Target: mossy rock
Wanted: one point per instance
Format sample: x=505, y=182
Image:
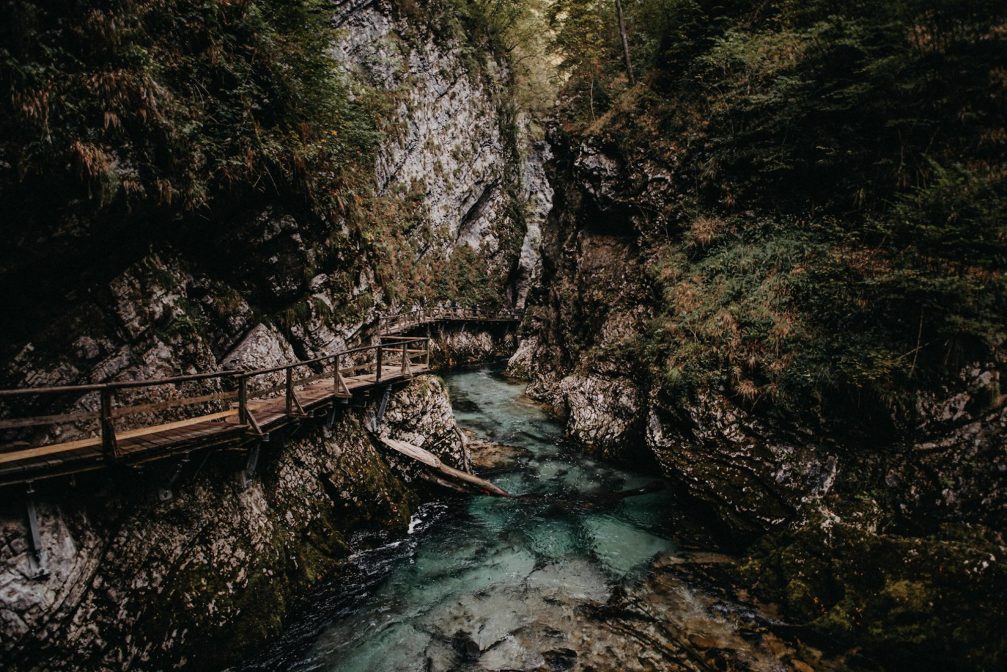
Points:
x=909, y=602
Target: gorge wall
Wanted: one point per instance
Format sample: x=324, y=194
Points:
x=451, y=212
x=877, y=536
x=448, y=210
x=134, y=582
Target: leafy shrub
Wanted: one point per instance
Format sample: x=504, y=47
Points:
x=838, y=234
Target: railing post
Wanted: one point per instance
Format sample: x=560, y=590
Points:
x=428, y=353
x=377, y=375
x=335, y=374
x=243, y=400
x=405, y=358
x=290, y=390
x=108, y=441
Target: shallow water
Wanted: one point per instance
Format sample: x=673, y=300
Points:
x=471, y=572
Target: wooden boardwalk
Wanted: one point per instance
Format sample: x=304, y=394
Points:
x=205, y=410
x=412, y=319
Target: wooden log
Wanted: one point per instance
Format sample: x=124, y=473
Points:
x=431, y=460
x=412, y=452
x=481, y=483
x=448, y=485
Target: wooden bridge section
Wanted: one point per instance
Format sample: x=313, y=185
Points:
x=132, y=422
x=408, y=320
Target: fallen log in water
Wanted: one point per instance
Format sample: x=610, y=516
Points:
x=446, y=473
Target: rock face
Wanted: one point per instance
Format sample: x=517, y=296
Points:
x=579, y=352
x=134, y=583
x=456, y=141
x=422, y=416
x=754, y=476
x=459, y=191
x=470, y=344
x=935, y=491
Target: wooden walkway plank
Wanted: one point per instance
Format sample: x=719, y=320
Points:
x=156, y=441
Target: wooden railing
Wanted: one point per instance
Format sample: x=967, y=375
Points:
x=404, y=320
x=96, y=414
x=103, y=414
x=72, y=417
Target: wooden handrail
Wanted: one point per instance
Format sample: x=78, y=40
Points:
x=427, y=315
x=422, y=315
x=287, y=398
x=130, y=384
x=116, y=385
x=62, y=389
x=407, y=351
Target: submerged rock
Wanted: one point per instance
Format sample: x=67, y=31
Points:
x=541, y=621
x=490, y=456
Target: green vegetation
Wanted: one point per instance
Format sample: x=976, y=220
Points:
x=138, y=124
x=174, y=105
x=837, y=234
x=817, y=190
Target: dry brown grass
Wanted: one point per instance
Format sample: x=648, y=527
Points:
x=91, y=161
x=705, y=229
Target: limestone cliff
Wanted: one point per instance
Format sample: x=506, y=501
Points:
x=450, y=210
x=842, y=487
x=456, y=189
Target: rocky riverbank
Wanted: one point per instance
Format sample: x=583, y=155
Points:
x=136, y=583
x=864, y=534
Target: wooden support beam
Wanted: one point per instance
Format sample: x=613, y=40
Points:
x=338, y=382
x=243, y=400
x=274, y=407
x=108, y=441
x=254, y=424
x=297, y=404
x=289, y=390
x=36, y=555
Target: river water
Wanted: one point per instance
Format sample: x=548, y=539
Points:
x=475, y=573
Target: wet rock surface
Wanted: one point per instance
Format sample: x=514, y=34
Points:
x=576, y=573
x=421, y=414
x=453, y=346
x=819, y=488
x=137, y=583
x=488, y=456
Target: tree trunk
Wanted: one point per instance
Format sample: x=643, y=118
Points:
x=625, y=41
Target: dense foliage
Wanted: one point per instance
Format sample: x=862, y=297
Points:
x=838, y=229
x=173, y=103
x=132, y=122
